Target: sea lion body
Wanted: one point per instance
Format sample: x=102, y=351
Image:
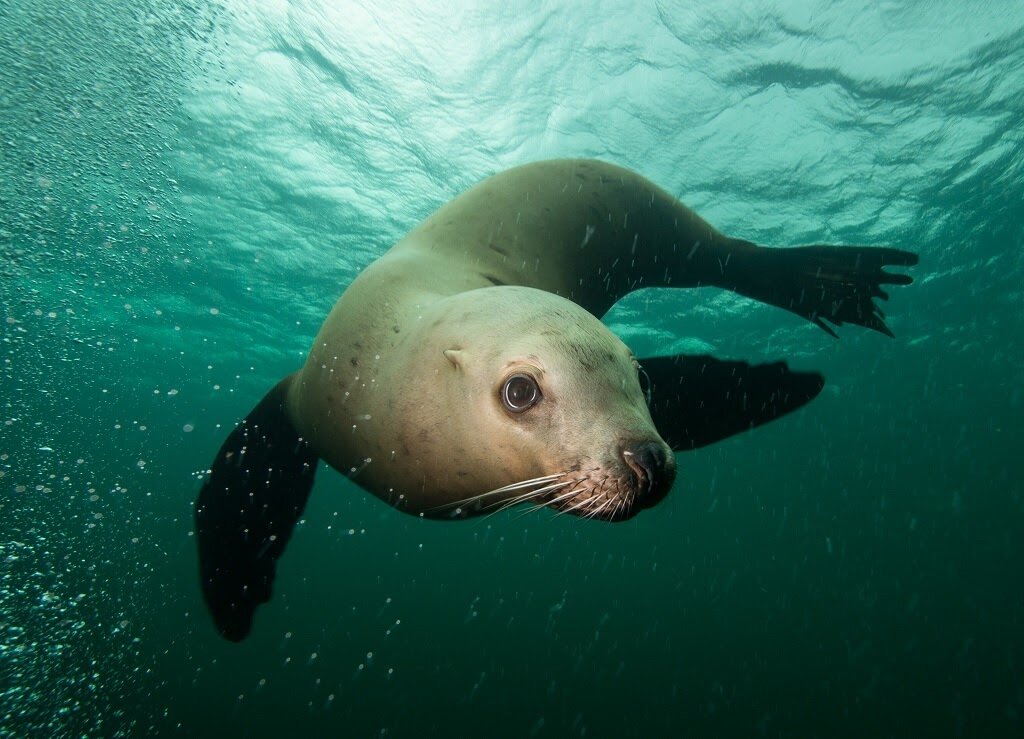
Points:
x=467, y=369
x=400, y=389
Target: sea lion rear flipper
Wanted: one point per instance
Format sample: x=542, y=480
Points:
x=837, y=284
x=247, y=509
x=698, y=400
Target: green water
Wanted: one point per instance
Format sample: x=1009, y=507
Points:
x=186, y=189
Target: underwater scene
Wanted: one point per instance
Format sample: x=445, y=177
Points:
x=186, y=189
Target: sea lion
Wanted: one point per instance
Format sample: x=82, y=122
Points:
x=467, y=370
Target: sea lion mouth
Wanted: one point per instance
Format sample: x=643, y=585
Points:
x=603, y=507
x=641, y=481
x=600, y=496
x=610, y=493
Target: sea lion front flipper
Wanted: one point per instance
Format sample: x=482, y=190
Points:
x=247, y=509
x=698, y=400
x=837, y=284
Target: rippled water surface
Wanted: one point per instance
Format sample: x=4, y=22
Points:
x=185, y=189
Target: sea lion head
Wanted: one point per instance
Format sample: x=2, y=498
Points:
x=516, y=395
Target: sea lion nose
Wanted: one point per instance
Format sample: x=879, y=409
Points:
x=654, y=467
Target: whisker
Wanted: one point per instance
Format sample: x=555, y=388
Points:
x=554, y=501
x=572, y=508
x=503, y=489
x=534, y=494
x=502, y=505
x=517, y=486
x=601, y=508
x=547, y=504
x=535, y=480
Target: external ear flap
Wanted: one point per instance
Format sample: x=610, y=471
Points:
x=454, y=356
x=698, y=400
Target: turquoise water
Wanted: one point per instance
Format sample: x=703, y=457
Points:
x=186, y=189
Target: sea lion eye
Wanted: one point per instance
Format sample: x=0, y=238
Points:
x=519, y=393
